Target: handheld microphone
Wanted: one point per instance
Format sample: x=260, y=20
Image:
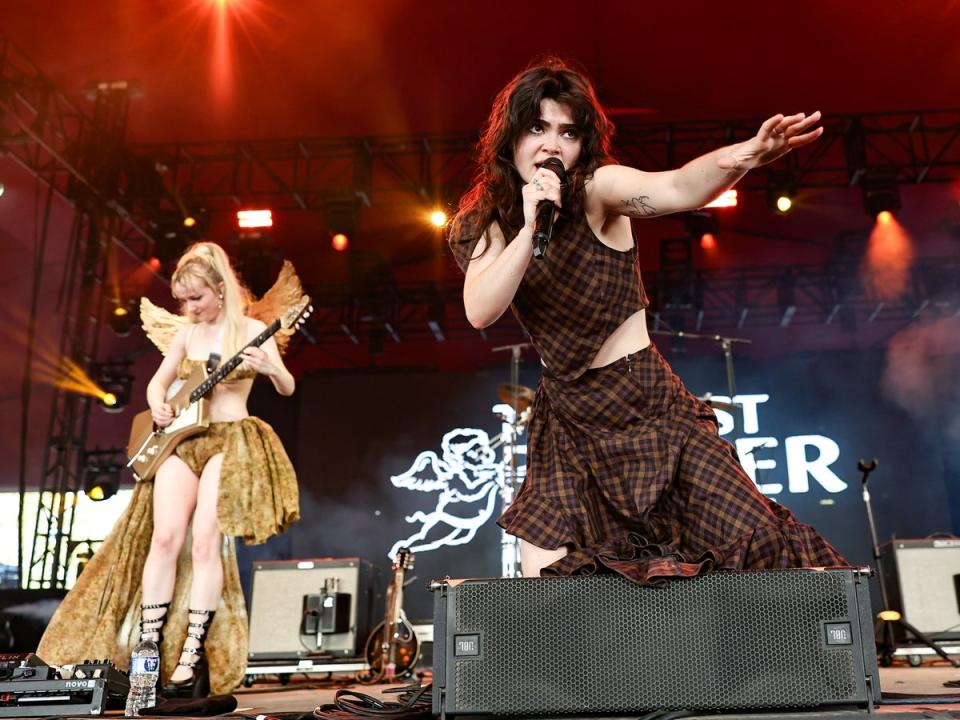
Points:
x=543, y=225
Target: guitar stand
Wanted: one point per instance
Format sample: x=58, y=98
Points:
x=886, y=618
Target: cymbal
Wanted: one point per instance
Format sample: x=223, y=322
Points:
x=523, y=395
x=718, y=404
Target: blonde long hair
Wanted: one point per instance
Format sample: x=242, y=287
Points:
x=208, y=263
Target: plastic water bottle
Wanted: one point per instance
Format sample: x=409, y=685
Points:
x=144, y=671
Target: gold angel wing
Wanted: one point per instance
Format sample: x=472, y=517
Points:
x=285, y=293
x=160, y=325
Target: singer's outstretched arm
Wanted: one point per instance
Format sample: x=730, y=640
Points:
x=626, y=191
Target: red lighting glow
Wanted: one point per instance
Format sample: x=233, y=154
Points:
x=255, y=218
x=340, y=242
x=154, y=263
x=708, y=241
x=889, y=258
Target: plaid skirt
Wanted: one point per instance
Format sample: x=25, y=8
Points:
x=626, y=469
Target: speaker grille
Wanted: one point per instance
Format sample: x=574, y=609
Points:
x=600, y=644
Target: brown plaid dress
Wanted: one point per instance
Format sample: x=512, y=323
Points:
x=625, y=467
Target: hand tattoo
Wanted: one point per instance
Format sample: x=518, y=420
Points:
x=640, y=206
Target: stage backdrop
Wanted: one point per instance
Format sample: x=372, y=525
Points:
x=390, y=459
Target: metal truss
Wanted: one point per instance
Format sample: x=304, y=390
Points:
x=838, y=293
x=42, y=130
x=94, y=159
x=153, y=185
x=65, y=456
x=306, y=173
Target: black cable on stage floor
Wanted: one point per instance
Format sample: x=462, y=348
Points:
x=413, y=703
x=666, y=715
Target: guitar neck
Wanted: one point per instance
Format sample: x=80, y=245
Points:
x=396, y=599
x=230, y=365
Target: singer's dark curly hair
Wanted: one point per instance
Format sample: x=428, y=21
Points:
x=495, y=193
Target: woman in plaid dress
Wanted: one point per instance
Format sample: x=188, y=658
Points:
x=626, y=471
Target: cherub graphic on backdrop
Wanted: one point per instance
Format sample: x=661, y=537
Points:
x=467, y=477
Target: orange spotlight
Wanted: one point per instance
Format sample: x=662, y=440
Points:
x=708, y=241
x=438, y=218
x=189, y=221
x=255, y=218
x=120, y=320
x=108, y=399
x=885, y=217
x=727, y=199
x=154, y=263
x=340, y=242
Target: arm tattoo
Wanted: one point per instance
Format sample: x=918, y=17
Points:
x=640, y=206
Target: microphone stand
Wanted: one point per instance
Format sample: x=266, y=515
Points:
x=726, y=345
x=510, y=548
x=887, y=618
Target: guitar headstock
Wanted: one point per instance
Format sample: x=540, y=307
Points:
x=295, y=316
x=404, y=560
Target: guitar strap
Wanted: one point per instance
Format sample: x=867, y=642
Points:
x=213, y=360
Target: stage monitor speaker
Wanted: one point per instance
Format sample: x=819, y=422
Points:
x=598, y=644
x=922, y=578
x=313, y=607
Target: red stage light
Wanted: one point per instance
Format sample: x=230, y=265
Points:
x=708, y=241
x=889, y=258
x=340, y=242
x=154, y=263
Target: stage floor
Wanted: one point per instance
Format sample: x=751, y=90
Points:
x=920, y=688
x=304, y=694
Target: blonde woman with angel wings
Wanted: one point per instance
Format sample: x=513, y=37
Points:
x=234, y=479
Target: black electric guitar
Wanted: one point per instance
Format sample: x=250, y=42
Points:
x=150, y=445
x=392, y=648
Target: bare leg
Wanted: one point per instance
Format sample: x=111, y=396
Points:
x=207, y=551
x=174, y=497
x=533, y=559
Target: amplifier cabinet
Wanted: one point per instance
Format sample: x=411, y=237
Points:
x=287, y=614
x=599, y=644
x=922, y=578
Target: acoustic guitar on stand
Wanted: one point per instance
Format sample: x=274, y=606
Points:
x=150, y=445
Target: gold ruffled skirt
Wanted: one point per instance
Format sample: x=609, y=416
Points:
x=100, y=616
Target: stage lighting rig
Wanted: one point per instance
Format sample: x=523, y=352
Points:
x=121, y=316
x=699, y=223
x=101, y=473
x=781, y=193
x=114, y=380
x=880, y=194
x=341, y=214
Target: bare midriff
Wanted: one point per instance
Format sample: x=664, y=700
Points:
x=630, y=337
x=228, y=400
